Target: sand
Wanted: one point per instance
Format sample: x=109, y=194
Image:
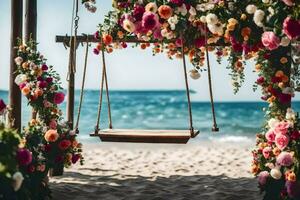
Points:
x=205, y=171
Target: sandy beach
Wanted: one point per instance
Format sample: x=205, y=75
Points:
x=208, y=171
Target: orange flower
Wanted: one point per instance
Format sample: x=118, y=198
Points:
x=279, y=74
x=291, y=176
x=283, y=60
x=246, y=32
x=165, y=11
x=51, y=135
x=107, y=39
x=285, y=79
x=143, y=46
x=271, y=99
x=25, y=90
x=120, y=34
x=25, y=65
x=276, y=151
x=254, y=169
x=38, y=92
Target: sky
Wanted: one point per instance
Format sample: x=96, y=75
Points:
x=128, y=69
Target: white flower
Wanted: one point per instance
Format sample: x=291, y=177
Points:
x=140, y=2
x=211, y=19
x=201, y=7
x=203, y=19
x=265, y=1
x=250, y=9
x=209, y=6
x=276, y=173
x=128, y=26
x=290, y=114
x=182, y=10
x=285, y=41
x=216, y=28
x=271, y=11
x=18, y=60
x=151, y=7
x=258, y=17
x=21, y=78
x=273, y=122
x=192, y=11
x=270, y=165
x=18, y=180
x=194, y=74
x=173, y=21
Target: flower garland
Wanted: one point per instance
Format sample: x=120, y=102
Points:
x=263, y=30
x=46, y=142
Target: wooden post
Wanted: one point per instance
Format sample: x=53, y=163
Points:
x=14, y=91
x=71, y=85
x=30, y=20
x=31, y=27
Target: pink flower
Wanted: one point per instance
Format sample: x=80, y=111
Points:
x=2, y=106
x=291, y=28
x=178, y=42
x=282, y=127
x=47, y=104
x=150, y=21
x=289, y=2
x=270, y=136
x=263, y=177
x=281, y=141
x=157, y=34
x=293, y=189
x=266, y=152
x=260, y=80
x=52, y=124
x=270, y=40
x=24, y=157
x=285, y=159
x=75, y=158
x=58, y=98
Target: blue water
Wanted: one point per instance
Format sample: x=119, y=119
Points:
x=167, y=110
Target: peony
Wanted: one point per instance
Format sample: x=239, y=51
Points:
x=165, y=11
x=288, y=2
x=250, y=9
x=128, y=26
x=282, y=127
x=270, y=136
x=266, y=152
x=276, y=173
x=293, y=189
x=194, y=74
x=151, y=7
x=64, y=144
x=150, y=21
x=51, y=135
x=2, y=107
x=263, y=177
x=258, y=17
x=18, y=180
x=291, y=28
x=270, y=40
x=285, y=159
x=211, y=19
x=281, y=141
x=24, y=157
x=58, y=98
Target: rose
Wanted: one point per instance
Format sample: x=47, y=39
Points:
x=52, y=124
x=149, y=21
x=285, y=159
x=165, y=11
x=64, y=144
x=266, y=152
x=282, y=127
x=21, y=78
x=51, y=135
x=58, y=98
x=24, y=157
x=276, y=173
x=270, y=40
x=291, y=28
x=270, y=136
x=281, y=141
x=288, y=2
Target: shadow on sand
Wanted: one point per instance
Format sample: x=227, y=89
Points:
x=77, y=186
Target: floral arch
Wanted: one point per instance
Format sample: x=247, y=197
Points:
x=266, y=31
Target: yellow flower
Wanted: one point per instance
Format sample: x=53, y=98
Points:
x=258, y=67
x=233, y=21
x=243, y=17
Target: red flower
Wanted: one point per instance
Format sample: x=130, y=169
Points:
x=138, y=12
x=75, y=158
x=291, y=28
x=24, y=157
x=199, y=42
x=150, y=21
x=64, y=144
x=58, y=98
x=2, y=106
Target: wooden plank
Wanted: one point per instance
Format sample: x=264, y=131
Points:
x=14, y=90
x=144, y=136
x=30, y=20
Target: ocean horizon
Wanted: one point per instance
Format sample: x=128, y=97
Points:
x=238, y=121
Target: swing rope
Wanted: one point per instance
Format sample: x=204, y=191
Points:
x=215, y=126
x=187, y=89
x=82, y=85
x=103, y=80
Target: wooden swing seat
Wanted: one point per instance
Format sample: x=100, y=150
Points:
x=145, y=136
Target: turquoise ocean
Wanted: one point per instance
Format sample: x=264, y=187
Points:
x=238, y=121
